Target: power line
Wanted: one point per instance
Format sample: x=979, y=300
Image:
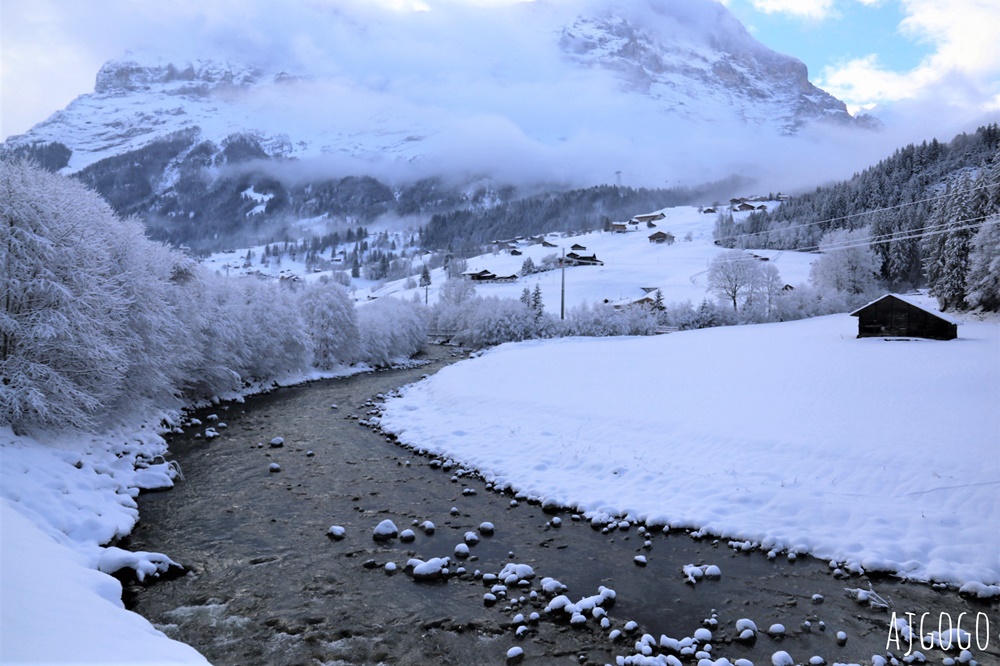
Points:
x=853, y=215
x=976, y=223
x=912, y=234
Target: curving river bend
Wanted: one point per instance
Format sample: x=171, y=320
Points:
x=267, y=586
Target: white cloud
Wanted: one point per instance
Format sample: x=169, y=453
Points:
x=962, y=73
x=810, y=9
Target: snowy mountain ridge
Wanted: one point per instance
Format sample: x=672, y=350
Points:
x=706, y=79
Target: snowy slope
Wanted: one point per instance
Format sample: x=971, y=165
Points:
x=795, y=436
x=631, y=263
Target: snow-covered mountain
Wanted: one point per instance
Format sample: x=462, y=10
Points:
x=630, y=75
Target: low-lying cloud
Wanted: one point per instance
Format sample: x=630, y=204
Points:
x=479, y=89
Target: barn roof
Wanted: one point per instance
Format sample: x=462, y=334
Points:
x=911, y=302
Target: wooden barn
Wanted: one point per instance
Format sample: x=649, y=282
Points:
x=897, y=316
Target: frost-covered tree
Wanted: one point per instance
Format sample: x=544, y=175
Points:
x=64, y=313
x=602, y=319
x=331, y=321
x=528, y=267
x=733, y=275
x=157, y=351
x=848, y=264
x=425, y=277
x=389, y=330
x=276, y=339
x=492, y=321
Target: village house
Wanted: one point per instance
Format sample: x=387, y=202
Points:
x=662, y=237
x=488, y=276
x=649, y=217
x=574, y=259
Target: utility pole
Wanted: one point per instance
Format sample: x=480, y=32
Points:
x=562, y=294
x=427, y=289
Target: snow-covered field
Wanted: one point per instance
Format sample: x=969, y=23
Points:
x=796, y=436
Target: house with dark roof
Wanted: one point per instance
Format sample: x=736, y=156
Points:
x=649, y=217
x=895, y=316
x=574, y=259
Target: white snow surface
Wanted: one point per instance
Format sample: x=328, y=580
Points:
x=796, y=436
x=61, y=499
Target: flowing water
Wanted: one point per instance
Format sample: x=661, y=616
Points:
x=267, y=585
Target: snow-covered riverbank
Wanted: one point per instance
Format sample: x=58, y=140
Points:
x=62, y=497
x=60, y=501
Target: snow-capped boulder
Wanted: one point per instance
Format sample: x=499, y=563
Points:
x=385, y=530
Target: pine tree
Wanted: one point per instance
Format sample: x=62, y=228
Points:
x=963, y=217
x=425, y=276
x=983, y=279
x=536, y=300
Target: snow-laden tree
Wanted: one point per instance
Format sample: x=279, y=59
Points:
x=158, y=351
x=453, y=299
x=390, y=329
x=848, y=265
x=214, y=323
x=332, y=323
x=64, y=313
x=492, y=321
x=277, y=340
x=733, y=276
x=602, y=319
x=761, y=301
x=983, y=279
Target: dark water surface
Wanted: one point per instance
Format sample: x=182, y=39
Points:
x=268, y=586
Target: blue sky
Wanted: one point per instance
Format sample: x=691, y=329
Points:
x=853, y=30
x=921, y=62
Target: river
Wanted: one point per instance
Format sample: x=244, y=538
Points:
x=267, y=585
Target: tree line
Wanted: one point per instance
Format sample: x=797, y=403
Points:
x=928, y=213
x=98, y=322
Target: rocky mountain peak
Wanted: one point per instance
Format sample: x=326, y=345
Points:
x=129, y=75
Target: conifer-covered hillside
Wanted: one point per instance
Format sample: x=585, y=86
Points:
x=929, y=212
